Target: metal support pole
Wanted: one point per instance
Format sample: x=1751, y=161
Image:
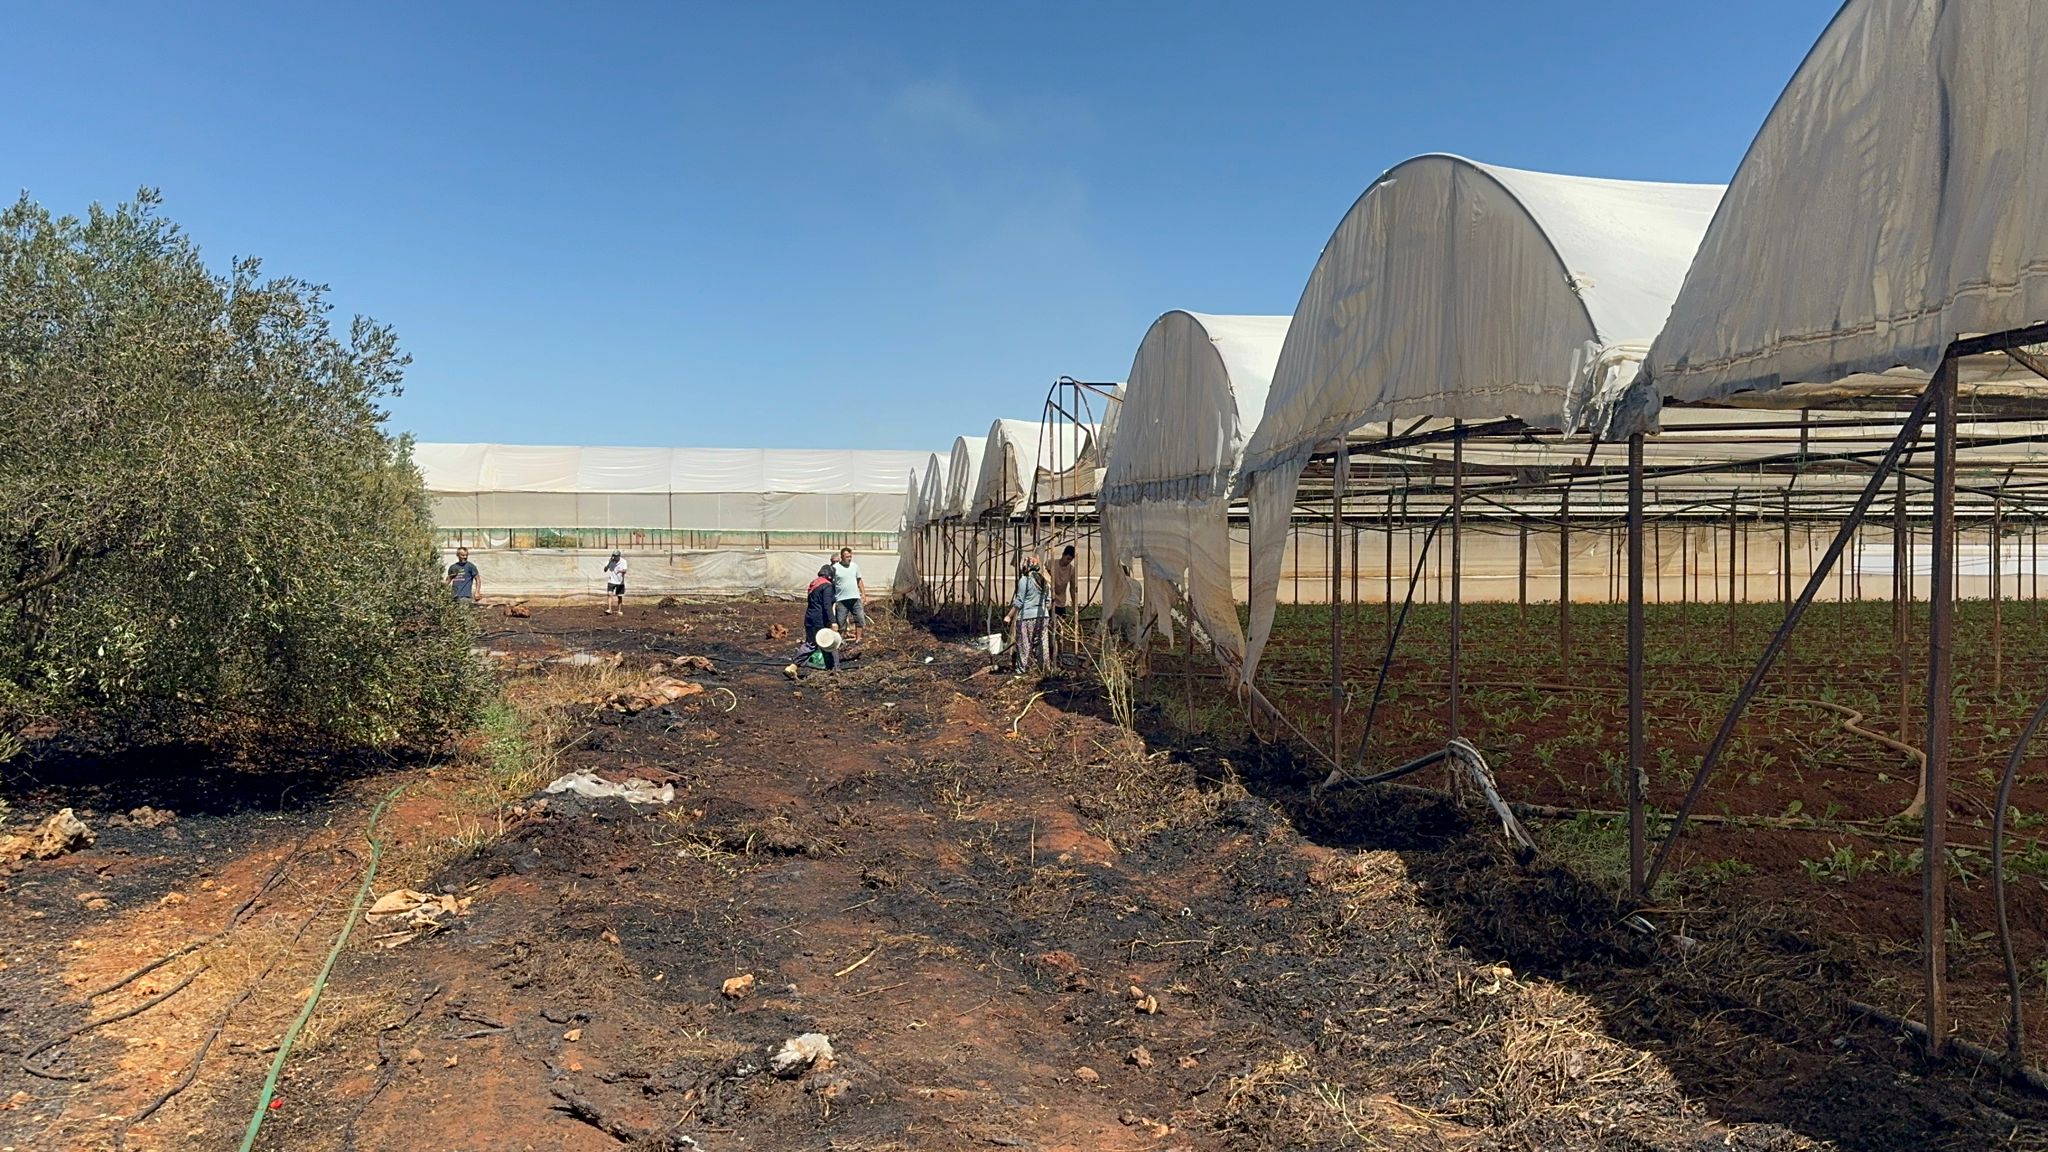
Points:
x=1842, y=574
x=1997, y=594
x=1734, y=563
x=1407, y=536
x=1564, y=578
x=1902, y=605
x=1685, y=588
x=1387, y=570
x=1856, y=567
x=1294, y=546
x=1785, y=577
x=1457, y=572
x=1351, y=534
x=1522, y=570
x=1940, y=660
x=1637, y=833
x=1615, y=547
x=1656, y=551
x=1337, y=479
x=1442, y=562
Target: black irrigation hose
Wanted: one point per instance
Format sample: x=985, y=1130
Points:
x=2014, y=1029
x=1409, y=768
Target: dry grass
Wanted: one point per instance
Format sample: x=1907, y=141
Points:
x=1285, y=1101
x=1556, y=1069
x=346, y=1023
x=1114, y=670
x=1051, y=891
x=1129, y=793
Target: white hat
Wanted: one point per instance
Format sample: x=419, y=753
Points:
x=827, y=639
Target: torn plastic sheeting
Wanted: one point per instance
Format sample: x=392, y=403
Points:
x=633, y=791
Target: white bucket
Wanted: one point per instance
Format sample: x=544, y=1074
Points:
x=993, y=642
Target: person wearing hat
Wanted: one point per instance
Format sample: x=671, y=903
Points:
x=818, y=604
x=615, y=585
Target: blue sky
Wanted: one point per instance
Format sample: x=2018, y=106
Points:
x=812, y=225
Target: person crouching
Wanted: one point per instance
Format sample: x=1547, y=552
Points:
x=819, y=602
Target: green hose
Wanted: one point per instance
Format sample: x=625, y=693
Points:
x=291, y=1035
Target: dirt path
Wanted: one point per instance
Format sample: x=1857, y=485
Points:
x=1019, y=927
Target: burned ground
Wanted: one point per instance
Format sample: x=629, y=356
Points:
x=1019, y=926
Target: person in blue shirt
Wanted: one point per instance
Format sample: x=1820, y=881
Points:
x=464, y=580
x=1029, y=608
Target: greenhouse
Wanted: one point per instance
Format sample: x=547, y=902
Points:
x=1455, y=291
x=1732, y=415
x=1197, y=389
x=541, y=520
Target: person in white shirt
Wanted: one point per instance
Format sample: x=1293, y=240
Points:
x=849, y=590
x=615, y=585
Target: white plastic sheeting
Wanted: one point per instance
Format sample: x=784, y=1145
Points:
x=931, y=492
x=1895, y=199
x=1467, y=291
x=1470, y=291
x=673, y=489
x=908, y=537
x=1026, y=456
x=721, y=521
x=1105, y=432
x=910, y=493
x=1197, y=389
x=927, y=490
x=963, y=470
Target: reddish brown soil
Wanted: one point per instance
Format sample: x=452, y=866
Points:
x=1555, y=734
x=966, y=912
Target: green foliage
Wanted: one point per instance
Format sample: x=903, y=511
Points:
x=1840, y=865
x=200, y=513
x=507, y=751
x=1718, y=872
x=1594, y=848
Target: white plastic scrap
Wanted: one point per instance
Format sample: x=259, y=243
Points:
x=810, y=1050
x=584, y=782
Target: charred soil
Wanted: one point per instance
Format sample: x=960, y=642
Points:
x=1018, y=925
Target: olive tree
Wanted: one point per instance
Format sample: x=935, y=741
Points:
x=201, y=514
